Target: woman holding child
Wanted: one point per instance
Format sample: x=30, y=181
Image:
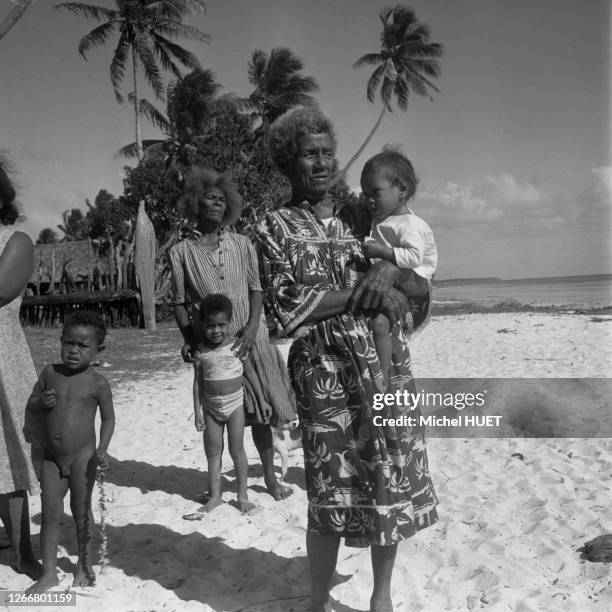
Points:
x=215, y=261
x=369, y=484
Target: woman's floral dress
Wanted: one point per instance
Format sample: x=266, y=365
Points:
x=367, y=483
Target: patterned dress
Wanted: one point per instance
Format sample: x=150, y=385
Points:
x=367, y=483
x=232, y=270
x=17, y=380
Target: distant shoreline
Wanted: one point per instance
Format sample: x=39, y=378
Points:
x=453, y=307
x=448, y=282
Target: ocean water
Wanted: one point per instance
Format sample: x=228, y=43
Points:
x=576, y=291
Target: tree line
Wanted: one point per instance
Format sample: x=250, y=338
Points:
x=201, y=125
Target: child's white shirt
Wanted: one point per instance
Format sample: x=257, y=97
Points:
x=412, y=242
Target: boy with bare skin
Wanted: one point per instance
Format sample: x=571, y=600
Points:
x=68, y=395
x=218, y=400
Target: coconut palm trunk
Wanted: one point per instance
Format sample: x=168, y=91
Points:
x=14, y=16
x=360, y=150
x=139, y=150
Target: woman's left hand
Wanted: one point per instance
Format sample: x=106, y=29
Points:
x=244, y=343
x=373, y=289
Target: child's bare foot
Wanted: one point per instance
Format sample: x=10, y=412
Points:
x=211, y=504
x=278, y=492
x=46, y=582
x=84, y=577
x=245, y=506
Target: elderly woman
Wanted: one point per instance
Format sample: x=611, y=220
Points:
x=214, y=260
x=367, y=482
x=17, y=377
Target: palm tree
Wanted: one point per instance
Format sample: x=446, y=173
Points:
x=279, y=85
x=406, y=63
x=21, y=6
x=192, y=110
x=143, y=27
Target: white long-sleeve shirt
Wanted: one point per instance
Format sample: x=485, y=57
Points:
x=412, y=242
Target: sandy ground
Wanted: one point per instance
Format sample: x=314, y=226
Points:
x=509, y=526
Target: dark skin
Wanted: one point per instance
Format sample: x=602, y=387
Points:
x=379, y=291
x=69, y=394
x=210, y=215
x=16, y=265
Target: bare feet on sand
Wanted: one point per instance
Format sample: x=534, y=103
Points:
x=245, y=506
x=84, y=577
x=278, y=492
x=46, y=582
x=209, y=506
x=29, y=567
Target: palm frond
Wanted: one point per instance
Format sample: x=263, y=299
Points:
x=118, y=66
x=186, y=58
x=257, y=67
x=99, y=13
x=177, y=29
x=147, y=59
x=374, y=82
x=131, y=150
x=386, y=92
x=96, y=38
x=148, y=111
x=369, y=59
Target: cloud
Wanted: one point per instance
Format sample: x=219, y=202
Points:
x=497, y=203
x=596, y=196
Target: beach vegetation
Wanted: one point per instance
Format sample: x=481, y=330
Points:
x=145, y=29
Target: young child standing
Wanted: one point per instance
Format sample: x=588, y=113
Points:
x=68, y=395
x=397, y=235
x=218, y=399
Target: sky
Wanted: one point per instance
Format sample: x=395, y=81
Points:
x=513, y=154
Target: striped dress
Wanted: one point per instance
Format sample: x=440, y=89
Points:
x=232, y=270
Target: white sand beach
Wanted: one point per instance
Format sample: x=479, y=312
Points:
x=509, y=525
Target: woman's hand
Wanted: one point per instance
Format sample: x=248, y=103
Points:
x=394, y=306
x=244, y=343
x=374, y=292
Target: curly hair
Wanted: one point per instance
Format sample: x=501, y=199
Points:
x=215, y=303
x=197, y=182
x=87, y=318
x=396, y=166
x=282, y=139
x=9, y=213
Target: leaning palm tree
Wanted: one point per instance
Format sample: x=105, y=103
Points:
x=144, y=28
x=21, y=6
x=279, y=85
x=407, y=63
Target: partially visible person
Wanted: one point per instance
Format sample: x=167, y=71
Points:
x=219, y=399
x=215, y=260
x=397, y=235
x=17, y=377
x=68, y=395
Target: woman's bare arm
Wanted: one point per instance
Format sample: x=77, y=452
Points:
x=16, y=267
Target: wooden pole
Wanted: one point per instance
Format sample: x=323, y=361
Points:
x=144, y=262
